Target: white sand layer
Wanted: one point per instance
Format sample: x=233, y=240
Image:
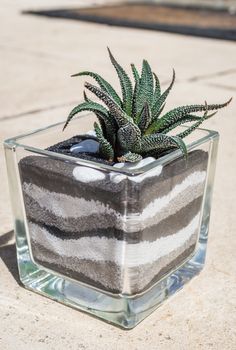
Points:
x=110, y=249
x=66, y=206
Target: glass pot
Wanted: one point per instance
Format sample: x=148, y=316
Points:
x=115, y=242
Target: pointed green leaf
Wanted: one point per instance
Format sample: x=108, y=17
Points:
x=104, y=85
x=120, y=116
x=145, y=118
x=135, y=73
x=136, y=87
x=86, y=97
x=134, y=103
x=181, y=145
x=158, y=114
x=109, y=126
x=187, y=119
x=156, y=107
x=126, y=85
x=157, y=91
x=189, y=130
x=144, y=92
x=85, y=106
x=106, y=149
x=178, y=113
x=130, y=157
x=129, y=137
x=102, y=123
x=157, y=142
x=134, y=99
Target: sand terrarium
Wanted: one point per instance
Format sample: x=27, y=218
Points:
x=112, y=215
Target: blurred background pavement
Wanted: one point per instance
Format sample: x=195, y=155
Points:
x=37, y=56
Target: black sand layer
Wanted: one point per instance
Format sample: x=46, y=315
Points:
x=57, y=176
x=107, y=276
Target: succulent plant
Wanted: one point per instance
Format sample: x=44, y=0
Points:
x=134, y=126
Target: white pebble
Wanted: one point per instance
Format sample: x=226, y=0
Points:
x=85, y=174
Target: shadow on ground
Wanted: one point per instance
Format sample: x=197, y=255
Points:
x=8, y=254
x=205, y=21
x=6, y=237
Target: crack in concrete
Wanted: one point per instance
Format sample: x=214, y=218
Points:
x=215, y=268
x=39, y=54
x=37, y=110
x=221, y=86
x=212, y=75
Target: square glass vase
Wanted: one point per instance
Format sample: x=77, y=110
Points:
x=114, y=242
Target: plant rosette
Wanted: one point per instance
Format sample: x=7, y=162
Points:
x=115, y=219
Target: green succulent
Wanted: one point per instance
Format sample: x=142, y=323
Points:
x=134, y=126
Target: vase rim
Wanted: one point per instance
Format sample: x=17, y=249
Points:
x=22, y=142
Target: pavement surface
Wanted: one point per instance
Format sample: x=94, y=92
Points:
x=37, y=56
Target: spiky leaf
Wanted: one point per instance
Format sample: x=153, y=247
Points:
x=145, y=118
x=106, y=149
x=178, y=113
x=189, y=118
x=158, y=114
x=157, y=91
x=109, y=127
x=157, y=142
x=144, y=92
x=102, y=124
x=189, y=130
x=156, y=107
x=86, y=106
x=135, y=94
x=120, y=116
x=180, y=144
x=86, y=97
x=129, y=137
x=130, y=157
x=104, y=85
x=101, y=120
x=135, y=126
x=126, y=85
x=135, y=73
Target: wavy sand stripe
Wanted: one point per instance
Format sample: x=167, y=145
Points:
x=166, y=227
x=162, y=202
x=66, y=212
x=98, y=274
x=107, y=274
x=56, y=176
x=108, y=249
x=69, y=224
x=143, y=281
x=67, y=206
x=63, y=205
x=173, y=207
x=169, y=223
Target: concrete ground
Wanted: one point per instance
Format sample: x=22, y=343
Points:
x=37, y=56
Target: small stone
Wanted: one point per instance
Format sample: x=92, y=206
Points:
x=91, y=133
x=135, y=165
x=86, y=146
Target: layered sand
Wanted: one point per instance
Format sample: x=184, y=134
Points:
x=116, y=232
